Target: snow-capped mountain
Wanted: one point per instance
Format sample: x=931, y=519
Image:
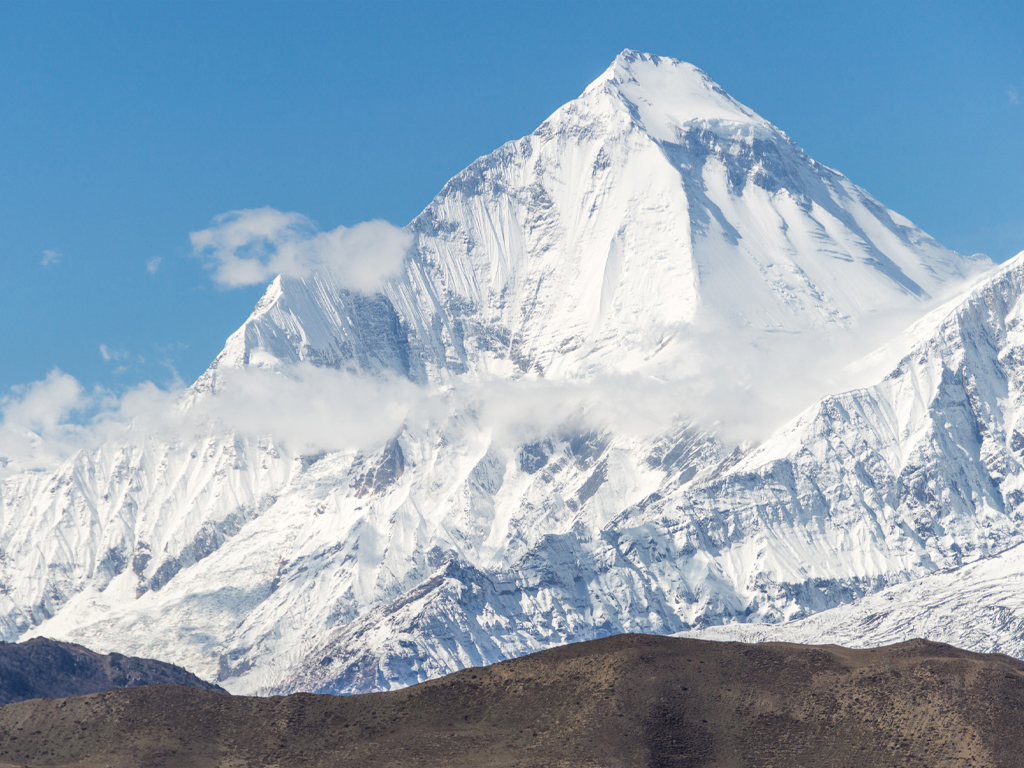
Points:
x=651, y=205
x=654, y=252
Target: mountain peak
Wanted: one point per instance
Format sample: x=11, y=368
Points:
x=667, y=94
x=653, y=202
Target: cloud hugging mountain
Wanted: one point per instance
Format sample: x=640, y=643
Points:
x=614, y=378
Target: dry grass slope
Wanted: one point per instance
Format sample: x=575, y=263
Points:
x=629, y=700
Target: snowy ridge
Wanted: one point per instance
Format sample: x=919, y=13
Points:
x=85, y=524
x=645, y=232
x=978, y=607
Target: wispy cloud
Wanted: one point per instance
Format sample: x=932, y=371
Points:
x=112, y=354
x=306, y=408
x=50, y=257
x=249, y=247
x=153, y=265
x=724, y=380
x=1013, y=95
x=311, y=408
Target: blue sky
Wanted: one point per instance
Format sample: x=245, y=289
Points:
x=124, y=127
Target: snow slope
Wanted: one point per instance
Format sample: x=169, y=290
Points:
x=979, y=607
x=653, y=249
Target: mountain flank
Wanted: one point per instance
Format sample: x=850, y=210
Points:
x=627, y=700
x=42, y=668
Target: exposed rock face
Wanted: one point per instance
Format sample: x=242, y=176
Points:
x=653, y=230
x=41, y=668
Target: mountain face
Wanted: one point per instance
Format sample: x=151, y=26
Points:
x=654, y=254
x=979, y=607
x=652, y=206
x=949, y=419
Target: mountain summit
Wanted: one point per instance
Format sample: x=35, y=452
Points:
x=665, y=95
x=650, y=211
x=590, y=313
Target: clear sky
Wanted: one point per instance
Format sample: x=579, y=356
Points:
x=126, y=126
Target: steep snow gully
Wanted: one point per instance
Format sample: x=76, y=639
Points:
x=632, y=338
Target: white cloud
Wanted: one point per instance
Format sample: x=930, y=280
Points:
x=310, y=408
x=305, y=408
x=50, y=257
x=153, y=265
x=42, y=405
x=1013, y=95
x=36, y=428
x=250, y=247
x=112, y=354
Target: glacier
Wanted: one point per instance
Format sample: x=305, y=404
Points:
x=634, y=346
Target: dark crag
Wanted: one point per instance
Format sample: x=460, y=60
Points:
x=629, y=700
x=42, y=668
